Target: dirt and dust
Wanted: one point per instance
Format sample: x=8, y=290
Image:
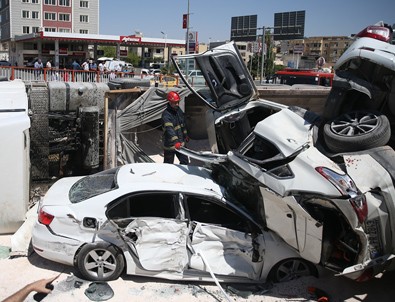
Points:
x=18, y=271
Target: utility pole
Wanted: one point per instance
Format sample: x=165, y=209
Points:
x=187, y=51
x=263, y=52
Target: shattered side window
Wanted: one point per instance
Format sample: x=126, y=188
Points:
x=146, y=204
x=93, y=185
x=206, y=211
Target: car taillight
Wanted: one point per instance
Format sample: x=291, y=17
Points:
x=343, y=183
x=44, y=217
x=346, y=186
x=360, y=207
x=376, y=32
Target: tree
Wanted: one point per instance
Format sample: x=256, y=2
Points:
x=109, y=51
x=133, y=58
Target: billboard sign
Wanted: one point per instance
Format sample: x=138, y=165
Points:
x=243, y=28
x=184, y=21
x=130, y=39
x=298, y=49
x=289, y=25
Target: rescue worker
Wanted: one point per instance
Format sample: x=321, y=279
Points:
x=174, y=130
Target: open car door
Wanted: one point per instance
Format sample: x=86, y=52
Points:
x=226, y=76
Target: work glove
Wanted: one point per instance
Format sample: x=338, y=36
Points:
x=177, y=145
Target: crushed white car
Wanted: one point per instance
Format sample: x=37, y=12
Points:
x=159, y=220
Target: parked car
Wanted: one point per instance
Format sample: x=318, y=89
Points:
x=273, y=159
x=5, y=63
x=158, y=220
x=360, y=109
x=154, y=71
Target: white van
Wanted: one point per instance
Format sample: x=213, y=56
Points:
x=113, y=65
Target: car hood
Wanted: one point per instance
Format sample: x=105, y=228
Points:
x=226, y=76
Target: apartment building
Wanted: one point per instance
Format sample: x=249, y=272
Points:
x=307, y=50
x=24, y=17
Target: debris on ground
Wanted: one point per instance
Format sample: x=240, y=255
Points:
x=99, y=291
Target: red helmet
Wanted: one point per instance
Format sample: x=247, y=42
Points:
x=173, y=97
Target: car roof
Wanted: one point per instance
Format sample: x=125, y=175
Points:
x=166, y=177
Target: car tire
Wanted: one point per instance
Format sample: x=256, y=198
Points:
x=100, y=262
x=357, y=131
x=291, y=269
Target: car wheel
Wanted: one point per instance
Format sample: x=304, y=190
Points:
x=100, y=262
x=290, y=269
x=356, y=131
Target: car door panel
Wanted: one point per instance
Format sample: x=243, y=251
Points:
x=160, y=243
x=293, y=224
x=227, y=251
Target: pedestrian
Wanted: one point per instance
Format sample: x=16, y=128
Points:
x=75, y=65
x=49, y=64
x=175, y=133
x=38, y=66
x=85, y=67
x=65, y=75
x=100, y=67
x=112, y=75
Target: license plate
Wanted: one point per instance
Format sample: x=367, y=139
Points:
x=373, y=230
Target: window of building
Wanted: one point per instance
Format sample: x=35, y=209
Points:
x=84, y=19
x=25, y=1
x=84, y=4
x=84, y=31
x=64, y=2
x=25, y=14
x=35, y=29
x=64, y=17
x=50, y=16
x=35, y=15
x=50, y=29
x=35, y=1
x=50, y=2
x=64, y=30
x=26, y=30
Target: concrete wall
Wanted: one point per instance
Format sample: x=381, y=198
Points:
x=308, y=97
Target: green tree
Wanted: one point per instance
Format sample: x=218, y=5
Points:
x=133, y=58
x=109, y=51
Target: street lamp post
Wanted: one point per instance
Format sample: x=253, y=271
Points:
x=164, y=50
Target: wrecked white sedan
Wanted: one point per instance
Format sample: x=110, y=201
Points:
x=159, y=220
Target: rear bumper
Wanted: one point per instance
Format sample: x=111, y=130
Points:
x=53, y=247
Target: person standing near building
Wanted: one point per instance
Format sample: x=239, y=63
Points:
x=38, y=66
x=101, y=70
x=175, y=133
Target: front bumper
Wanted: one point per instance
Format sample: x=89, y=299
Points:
x=52, y=247
x=371, y=267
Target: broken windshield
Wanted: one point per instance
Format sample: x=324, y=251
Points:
x=93, y=185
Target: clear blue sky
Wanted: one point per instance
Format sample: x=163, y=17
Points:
x=212, y=18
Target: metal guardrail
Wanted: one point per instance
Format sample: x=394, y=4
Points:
x=28, y=74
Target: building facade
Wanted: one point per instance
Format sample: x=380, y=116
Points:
x=24, y=17
x=303, y=53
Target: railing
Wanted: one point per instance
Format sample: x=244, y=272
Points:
x=64, y=75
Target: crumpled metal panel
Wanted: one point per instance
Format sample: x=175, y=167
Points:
x=160, y=243
x=228, y=252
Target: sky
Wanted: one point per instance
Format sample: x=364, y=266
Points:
x=212, y=18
